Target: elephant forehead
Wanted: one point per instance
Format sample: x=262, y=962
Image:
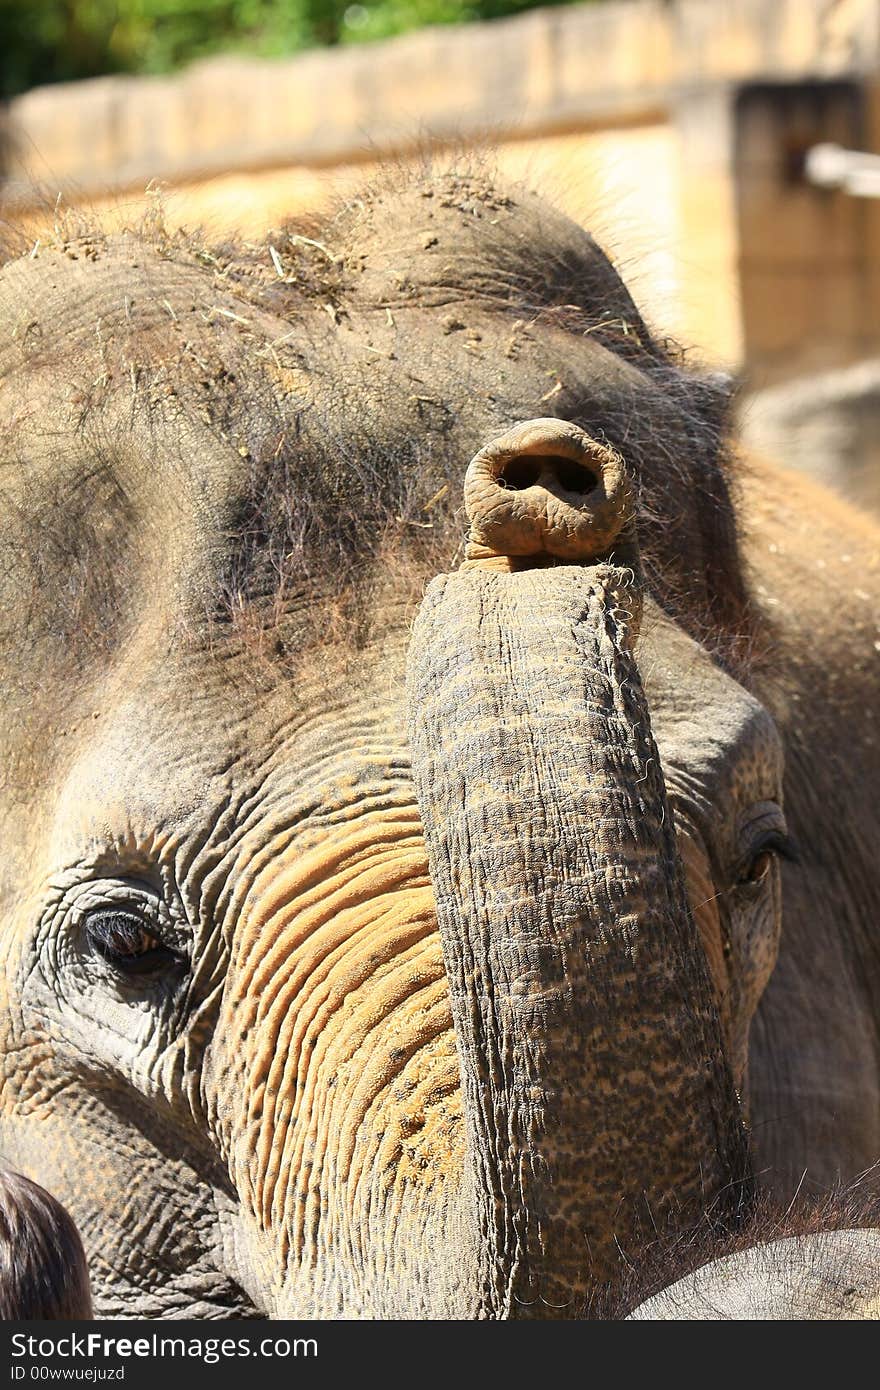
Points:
x=89, y=294
x=194, y=774
x=61, y=302
x=309, y=431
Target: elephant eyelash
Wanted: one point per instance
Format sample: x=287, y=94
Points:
x=777, y=843
x=128, y=943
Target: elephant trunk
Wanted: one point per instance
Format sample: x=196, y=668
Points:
x=598, y=1101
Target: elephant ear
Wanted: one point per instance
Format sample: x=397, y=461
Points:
x=699, y=482
x=712, y=396
x=614, y=318
x=605, y=300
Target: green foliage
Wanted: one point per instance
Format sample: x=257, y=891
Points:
x=57, y=40
x=378, y=19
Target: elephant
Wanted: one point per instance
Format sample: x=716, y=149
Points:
x=823, y=1276
x=422, y=734
x=44, y=1276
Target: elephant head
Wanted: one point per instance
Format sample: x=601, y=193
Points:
x=355, y=964
x=830, y=1275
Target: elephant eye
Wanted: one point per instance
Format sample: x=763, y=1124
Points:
x=125, y=941
x=759, y=867
x=776, y=846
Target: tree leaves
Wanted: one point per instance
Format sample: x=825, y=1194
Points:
x=60, y=40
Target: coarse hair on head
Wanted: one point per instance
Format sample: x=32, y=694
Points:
x=344, y=463
x=739, y=1221
x=43, y=1271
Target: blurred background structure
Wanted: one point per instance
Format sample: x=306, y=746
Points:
x=679, y=131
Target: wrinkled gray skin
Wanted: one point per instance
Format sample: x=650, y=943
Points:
x=324, y=998
x=832, y=1276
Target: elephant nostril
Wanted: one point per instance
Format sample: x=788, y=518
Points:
x=525, y=470
x=520, y=472
x=573, y=477
x=545, y=488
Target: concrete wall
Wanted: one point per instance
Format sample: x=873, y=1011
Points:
x=545, y=72
x=675, y=129
x=809, y=259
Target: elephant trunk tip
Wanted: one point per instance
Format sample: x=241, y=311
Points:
x=545, y=492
